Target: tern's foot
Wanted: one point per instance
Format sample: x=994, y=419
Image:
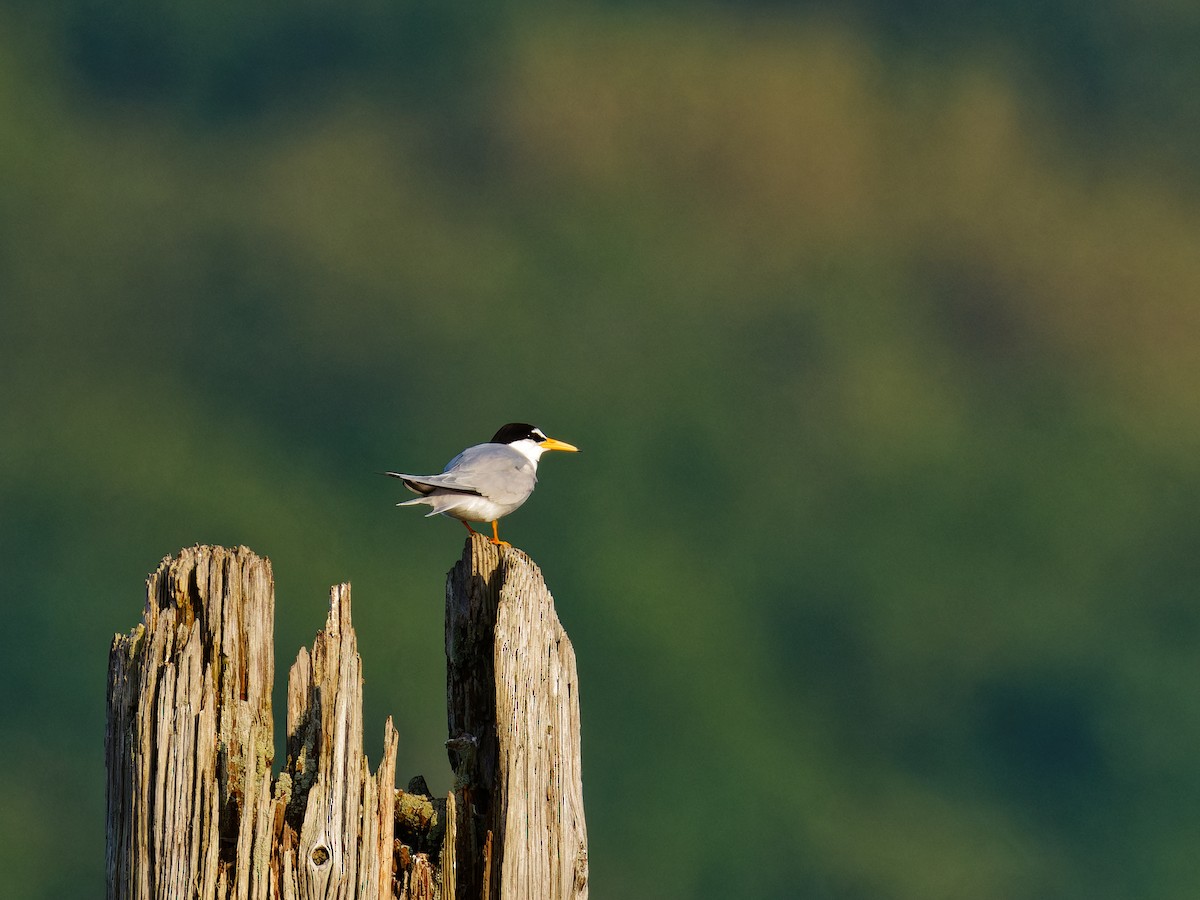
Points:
x=498, y=543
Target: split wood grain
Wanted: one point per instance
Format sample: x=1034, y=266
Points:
x=195, y=812
x=192, y=808
x=513, y=710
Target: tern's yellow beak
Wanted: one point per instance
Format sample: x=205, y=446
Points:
x=552, y=444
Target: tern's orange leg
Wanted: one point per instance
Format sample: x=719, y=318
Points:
x=468, y=527
x=496, y=536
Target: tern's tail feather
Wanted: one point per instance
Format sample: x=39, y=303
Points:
x=428, y=501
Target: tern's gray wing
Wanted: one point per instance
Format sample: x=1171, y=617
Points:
x=496, y=471
x=427, y=484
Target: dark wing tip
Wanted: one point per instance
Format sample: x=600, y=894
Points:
x=415, y=486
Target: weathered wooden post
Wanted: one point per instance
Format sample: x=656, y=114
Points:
x=193, y=810
x=513, y=705
x=193, y=807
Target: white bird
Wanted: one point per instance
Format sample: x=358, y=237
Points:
x=486, y=482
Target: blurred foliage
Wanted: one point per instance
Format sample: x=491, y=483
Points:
x=221, y=60
x=880, y=563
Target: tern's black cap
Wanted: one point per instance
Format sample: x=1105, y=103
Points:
x=518, y=431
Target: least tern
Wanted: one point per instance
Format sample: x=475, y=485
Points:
x=486, y=482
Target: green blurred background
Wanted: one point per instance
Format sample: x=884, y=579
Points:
x=877, y=322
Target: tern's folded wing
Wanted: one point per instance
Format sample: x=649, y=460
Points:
x=427, y=484
x=495, y=471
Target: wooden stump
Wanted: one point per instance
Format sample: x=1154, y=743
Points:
x=189, y=737
x=513, y=708
x=193, y=809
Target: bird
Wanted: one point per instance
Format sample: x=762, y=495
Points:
x=486, y=482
